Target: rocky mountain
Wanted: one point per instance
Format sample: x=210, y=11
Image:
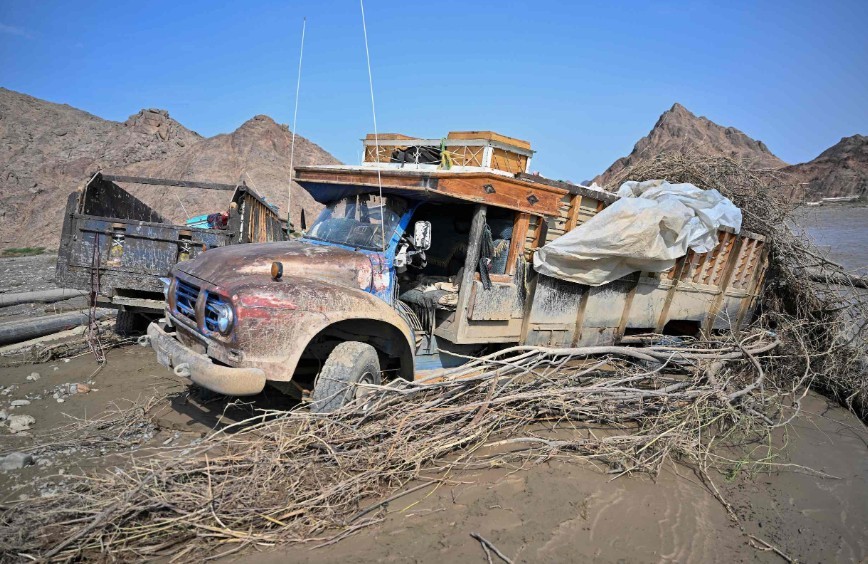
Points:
x=48, y=150
x=679, y=130
x=840, y=170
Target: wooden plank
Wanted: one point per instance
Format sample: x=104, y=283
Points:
x=625, y=314
x=754, y=288
x=516, y=244
x=744, y=259
x=670, y=295
x=573, y=214
x=506, y=193
x=471, y=262
x=491, y=136
x=729, y=269
x=168, y=182
x=580, y=316
x=387, y=136
x=541, y=233
x=482, y=187
x=726, y=252
x=528, y=305
x=606, y=197
x=715, y=256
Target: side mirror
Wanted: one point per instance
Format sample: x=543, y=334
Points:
x=422, y=235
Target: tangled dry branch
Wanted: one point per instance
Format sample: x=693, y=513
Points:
x=818, y=307
x=301, y=477
x=298, y=476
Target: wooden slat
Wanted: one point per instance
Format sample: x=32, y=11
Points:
x=507, y=194
x=541, y=233
x=676, y=274
x=606, y=197
x=697, y=271
x=482, y=187
x=516, y=244
x=580, y=316
x=573, y=214
x=168, y=182
x=726, y=277
x=625, y=314
x=490, y=135
x=755, y=286
x=723, y=258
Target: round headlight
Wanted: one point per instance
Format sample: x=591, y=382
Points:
x=224, y=317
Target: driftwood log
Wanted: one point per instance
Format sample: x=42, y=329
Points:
x=41, y=296
x=17, y=331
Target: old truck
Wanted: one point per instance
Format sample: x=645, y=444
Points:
x=119, y=248
x=423, y=253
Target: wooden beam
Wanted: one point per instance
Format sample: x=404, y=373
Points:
x=516, y=243
x=580, y=316
x=471, y=263
x=670, y=295
x=168, y=182
x=729, y=269
x=573, y=214
x=606, y=197
x=542, y=231
x=625, y=314
x=754, y=289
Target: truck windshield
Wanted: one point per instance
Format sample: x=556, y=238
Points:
x=359, y=221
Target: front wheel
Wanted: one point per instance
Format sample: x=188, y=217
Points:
x=349, y=364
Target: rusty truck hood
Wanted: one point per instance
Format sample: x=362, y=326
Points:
x=226, y=266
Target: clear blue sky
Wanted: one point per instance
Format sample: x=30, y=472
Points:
x=581, y=81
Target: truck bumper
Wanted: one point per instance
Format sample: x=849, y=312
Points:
x=199, y=368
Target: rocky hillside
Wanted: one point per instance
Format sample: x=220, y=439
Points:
x=678, y=130
x=49, y=150
x=840, y=170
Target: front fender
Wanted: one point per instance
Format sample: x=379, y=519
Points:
x=277, y=320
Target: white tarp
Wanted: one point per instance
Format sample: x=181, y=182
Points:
x=653, y=224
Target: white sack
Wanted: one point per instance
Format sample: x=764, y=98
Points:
x=652, y=225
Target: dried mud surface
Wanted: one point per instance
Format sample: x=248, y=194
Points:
x=559, y=511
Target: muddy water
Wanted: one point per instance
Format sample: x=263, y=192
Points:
x=840, y=231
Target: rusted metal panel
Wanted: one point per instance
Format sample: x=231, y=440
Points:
x=112, y=242
x=496, y=304
x=103, y=198
x=169, y=182
x=552, y=311
x=647, y=305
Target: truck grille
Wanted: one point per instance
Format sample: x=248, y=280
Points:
x=186, y=295
x=211, y=300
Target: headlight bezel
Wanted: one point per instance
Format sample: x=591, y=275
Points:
x=225, y=318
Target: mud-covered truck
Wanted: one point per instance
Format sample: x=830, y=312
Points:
x=119, y=248
x=422, y=256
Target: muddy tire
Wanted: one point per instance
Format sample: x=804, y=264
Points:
x=125, y=323
x=349, y=363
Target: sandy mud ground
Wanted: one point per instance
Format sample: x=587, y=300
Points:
x=555, y=511
x=558, y=511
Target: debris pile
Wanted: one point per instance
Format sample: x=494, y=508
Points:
x=818, y=307
x=292, y=476
x=299, y=476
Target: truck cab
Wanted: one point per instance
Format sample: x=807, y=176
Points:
x=421, y=258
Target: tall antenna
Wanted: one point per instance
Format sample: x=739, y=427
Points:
x=294, y=121
x=376, y=136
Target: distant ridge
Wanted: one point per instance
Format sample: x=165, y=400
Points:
x=679, y=130
x=47, y=150
x=840, y=170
